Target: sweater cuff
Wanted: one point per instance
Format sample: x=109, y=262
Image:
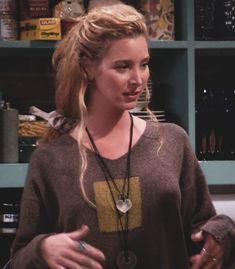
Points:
x=30, y=256
x=222, y=228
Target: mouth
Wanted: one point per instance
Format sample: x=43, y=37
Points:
x=131, y=97
x=131, y=94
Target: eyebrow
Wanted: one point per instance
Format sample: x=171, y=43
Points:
x=128, y=60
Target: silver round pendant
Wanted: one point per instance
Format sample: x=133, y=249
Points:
x=129, y=263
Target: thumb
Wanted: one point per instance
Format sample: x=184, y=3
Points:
x=197, y=237
x=79, y=234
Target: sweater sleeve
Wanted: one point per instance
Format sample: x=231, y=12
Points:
x=34, y=222
x=198, y=211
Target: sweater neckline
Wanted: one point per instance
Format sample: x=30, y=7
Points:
x=147, y=133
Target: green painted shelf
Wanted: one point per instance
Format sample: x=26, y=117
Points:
x=13, y=175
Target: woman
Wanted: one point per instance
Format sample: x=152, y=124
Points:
x=107, y=189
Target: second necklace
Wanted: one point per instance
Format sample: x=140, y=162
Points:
x=123, y=203
x=126, y=259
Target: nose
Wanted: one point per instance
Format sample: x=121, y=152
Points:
x=136, y=77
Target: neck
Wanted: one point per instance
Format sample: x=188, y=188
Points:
x=103, y=123
x=111, y=134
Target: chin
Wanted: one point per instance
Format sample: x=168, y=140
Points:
x=130, y=106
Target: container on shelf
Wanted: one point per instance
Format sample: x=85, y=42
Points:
x=29, y=9
x=215, y=19
x=7, y=7
x=8, y=20
x=40, y=29
x=69, y=12
x=30, y=131
x=26, y=147
x=215, y=131
x=205, y=19
x=9, y=217
x=226, y=19
x=9, y=134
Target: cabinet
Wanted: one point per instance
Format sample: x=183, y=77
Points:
x=174, y=67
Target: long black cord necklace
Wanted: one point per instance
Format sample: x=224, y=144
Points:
x=126, y=259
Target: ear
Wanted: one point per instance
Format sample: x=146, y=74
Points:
x=89, y=67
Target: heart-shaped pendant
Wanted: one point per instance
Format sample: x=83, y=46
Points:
x=123, y=205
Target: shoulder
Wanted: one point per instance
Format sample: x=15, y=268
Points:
x=50, y=159
x=165, y=129
x=47, y=152
x=172, y=137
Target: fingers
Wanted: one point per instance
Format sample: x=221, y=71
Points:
x=213, y=248
x=85, y=261
x=83, y=253
x=78, y=261
x=67, y=250
x=197, y=263
x=211, y=255
x=88, y=256
x=89, y=250
x=72, y=257
x=209, y=260
x=79, y=234
x=197, y=237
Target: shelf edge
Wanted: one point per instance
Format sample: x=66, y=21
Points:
x=13, y=175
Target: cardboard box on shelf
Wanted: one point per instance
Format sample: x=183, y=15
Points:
x=40, y=29
x=29, y=9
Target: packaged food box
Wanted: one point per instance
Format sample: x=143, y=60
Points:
x=34, y=9
x=40, y=29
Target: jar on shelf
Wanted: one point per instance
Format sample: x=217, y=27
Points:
x=68, y=12
x=8, y=20
x=7, y=7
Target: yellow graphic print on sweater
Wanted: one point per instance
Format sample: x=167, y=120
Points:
x=107, y=216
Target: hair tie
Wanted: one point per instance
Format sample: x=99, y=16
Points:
x=54, y=119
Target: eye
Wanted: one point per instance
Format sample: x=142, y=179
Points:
x=144, y=65
x=122, y=67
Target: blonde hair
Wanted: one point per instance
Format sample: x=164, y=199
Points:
x=88, y=39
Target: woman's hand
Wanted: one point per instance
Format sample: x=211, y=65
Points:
x=67, y=251
x=211, y=255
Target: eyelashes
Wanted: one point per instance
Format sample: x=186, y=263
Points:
x=125, y=67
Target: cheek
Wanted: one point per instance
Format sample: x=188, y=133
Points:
x=145, y=79
x=117, y=81
x=147, y=74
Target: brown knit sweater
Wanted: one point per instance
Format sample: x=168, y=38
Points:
x=167, y=188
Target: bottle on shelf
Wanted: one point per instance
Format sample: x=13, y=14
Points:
x=9, y=134
x=8, y=20
x=215, y=131
x=205, y=16
x=225, y=22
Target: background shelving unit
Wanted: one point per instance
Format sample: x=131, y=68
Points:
x=173, y=67
x=26, y=77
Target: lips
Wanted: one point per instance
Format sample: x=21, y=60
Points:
x=130, y=93
x=131, y=96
